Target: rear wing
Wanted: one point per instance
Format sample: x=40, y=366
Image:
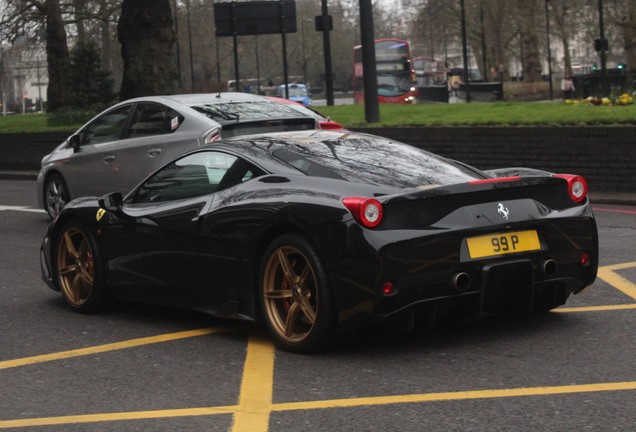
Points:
x=267, y=125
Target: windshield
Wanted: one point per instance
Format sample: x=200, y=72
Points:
x=297, y=91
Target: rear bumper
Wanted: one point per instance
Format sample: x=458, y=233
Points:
x=434, y=272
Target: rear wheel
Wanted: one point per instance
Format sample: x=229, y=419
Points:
x=78, y=269
x=295, y=296
x=55, y=195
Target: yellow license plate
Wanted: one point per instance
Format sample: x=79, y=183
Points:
x=503, y=243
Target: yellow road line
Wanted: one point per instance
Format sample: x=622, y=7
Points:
x=453, y=396
x=109, y=347
x=255, y=401
x=255, y=420
x=595, y=308
x=617, y=281
x=108, y=417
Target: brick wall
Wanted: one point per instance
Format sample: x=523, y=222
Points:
x=605, y=156
x=24, y=151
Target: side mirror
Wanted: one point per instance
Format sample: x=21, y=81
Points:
x=112, y=202
x=74, y=142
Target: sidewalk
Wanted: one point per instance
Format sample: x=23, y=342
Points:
x=596, y=197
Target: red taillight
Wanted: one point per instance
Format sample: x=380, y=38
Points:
x=330, y=125
x=366, y=211
x=215, y=135
x=577, y=186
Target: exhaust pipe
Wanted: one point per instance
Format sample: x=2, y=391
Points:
x=460, y=281
x=549, y=267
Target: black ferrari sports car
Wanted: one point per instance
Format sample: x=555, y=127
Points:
x=319, y=232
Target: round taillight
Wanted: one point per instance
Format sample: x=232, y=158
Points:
x=578, y=190
x=585, y=259
x=388, y=289
x=577, y=186
x=366, y=211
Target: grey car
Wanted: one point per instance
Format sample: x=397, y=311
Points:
x=122, y=145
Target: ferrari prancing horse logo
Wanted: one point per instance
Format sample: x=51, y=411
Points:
x=100, y=214
x=503, y=211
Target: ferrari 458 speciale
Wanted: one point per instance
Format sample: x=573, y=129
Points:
x=320, y=232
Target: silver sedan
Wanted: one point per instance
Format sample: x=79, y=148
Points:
x=121, y=146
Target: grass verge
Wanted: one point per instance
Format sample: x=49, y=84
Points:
x=487, y=114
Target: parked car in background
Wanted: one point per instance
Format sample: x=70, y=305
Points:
x=321, y=232
x=119, y=147
x=324, y=122
x=297, y=93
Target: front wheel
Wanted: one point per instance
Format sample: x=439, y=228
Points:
x=78, y=269
x=295, y=297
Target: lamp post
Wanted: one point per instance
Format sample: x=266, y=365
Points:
x=464, y=49
x=547, y=33
x=602, y=47
x=369, y=75
x=190, y=47
x=327, y=53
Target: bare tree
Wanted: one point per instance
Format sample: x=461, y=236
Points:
x=627, y=25
x=58, y=57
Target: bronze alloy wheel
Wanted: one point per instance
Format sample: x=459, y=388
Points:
x=290, y=295
x=75, y=266
x=295, y=296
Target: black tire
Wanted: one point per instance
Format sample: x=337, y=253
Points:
x=56, y=195
x=295, y=297
x=78, y=269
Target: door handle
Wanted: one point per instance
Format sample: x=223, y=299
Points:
x=154, y=152
x=109, y=159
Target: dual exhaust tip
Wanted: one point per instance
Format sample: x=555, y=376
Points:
x=461, y=281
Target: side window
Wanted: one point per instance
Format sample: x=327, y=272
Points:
x=106, y=128
x=195, y=175
x=153, y=119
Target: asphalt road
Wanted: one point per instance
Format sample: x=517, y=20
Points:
x=142, y=368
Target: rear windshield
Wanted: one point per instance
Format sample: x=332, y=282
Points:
x=374, y=160
x=245, y=111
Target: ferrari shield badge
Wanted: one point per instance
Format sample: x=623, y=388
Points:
x=100, y=214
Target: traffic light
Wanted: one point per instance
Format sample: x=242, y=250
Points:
x=620, y=66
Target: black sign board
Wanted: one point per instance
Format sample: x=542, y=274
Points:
x=255, y=17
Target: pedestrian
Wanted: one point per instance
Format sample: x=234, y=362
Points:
x=568, y=87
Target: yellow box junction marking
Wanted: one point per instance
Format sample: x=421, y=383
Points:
x=257, y=386
x=608, y=274
x=255, y=401
x=109, y=347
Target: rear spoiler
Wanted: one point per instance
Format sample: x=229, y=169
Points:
x=267, y=125
x=535, y=185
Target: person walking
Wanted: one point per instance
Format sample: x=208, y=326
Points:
x=568, y=87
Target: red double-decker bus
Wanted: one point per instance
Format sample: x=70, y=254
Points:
x=394, y=67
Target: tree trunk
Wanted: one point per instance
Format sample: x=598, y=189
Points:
x=529, y=40
x=628, y=27
x=57, y=56
x=145, y=31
